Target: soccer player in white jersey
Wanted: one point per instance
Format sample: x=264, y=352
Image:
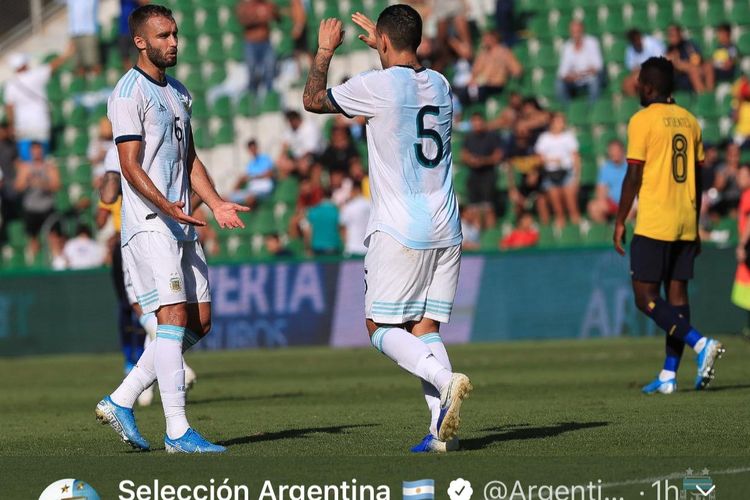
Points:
x=150, y=115
x=110, y=199
x=414, y=232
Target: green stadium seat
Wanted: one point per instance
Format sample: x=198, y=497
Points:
x=460, y=180
x=194, y=80
x=716, y=14
x=589, y=171
x=691, y=17
x=55, y=92
x=189, y=53
x=223, y=107
x=263, y=222
x=614, y=23
x=628, y=107
x=683, y=98
x=77, y=85
x=712, y=133
x=490, y=239
x=217, y=75
x=79, y=117
x=211, y=24
x=579, y=113
x=603, y=112
x=743, y=44
x=538, y=27
x=706, y=106
x=570, y=236
x=616, y=52
x=663, y=18
x=561, y=28
x=200, y=107
x=599, y=234
x=547, y=57
x=546, y=86
x=740, y=15
x=225, y=134
x=236, y=50
x=233, y=25
x=16, y=234
x=286, y=191
x=271, y=103
x=80, y=144
x=546, y=236
x=215, y=52
x=202, y=135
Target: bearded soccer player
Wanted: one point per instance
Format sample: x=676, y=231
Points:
x=665, y=150
x=414, y=232
x=150, y=115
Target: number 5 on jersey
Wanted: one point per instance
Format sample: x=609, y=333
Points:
x=425, y=133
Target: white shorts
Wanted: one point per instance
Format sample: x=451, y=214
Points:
x=165, y=271
x=129, y=291
x=403, y=284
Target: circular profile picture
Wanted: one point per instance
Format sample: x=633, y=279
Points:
x=68, y=489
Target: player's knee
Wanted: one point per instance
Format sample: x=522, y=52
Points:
x=642, y=302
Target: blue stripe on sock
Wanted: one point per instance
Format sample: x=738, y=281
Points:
x=191, y=338
x=671, y=363
x=692, y=338
x=377, y=338
x=170, y=336
x=431, y=338
x=170, y=332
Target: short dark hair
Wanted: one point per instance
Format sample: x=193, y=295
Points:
x=403, y=25
x=139, y=16
x=659, y=73
x=83, y=229
x=632, y=34
x=252, y=142
x=725, y=27
x=291, y=114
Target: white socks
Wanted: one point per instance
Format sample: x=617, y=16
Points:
x=171, y=377
x=698, y=347
x=412, y=355
x=139, y=378
x=148, y=322
x=665, y=375
x=432, y=395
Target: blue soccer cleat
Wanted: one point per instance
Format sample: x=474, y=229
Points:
x=450, y=405
x=122, y=421
x=706, y=360
x=191, y=442
x=431, y=444
x=663, y=387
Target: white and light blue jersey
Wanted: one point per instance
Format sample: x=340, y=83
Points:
x=409, y=120
x=158, y=115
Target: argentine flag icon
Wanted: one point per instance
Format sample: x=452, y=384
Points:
x=424, y=489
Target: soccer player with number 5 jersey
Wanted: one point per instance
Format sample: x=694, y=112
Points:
x=665, y=151
x=414, y=232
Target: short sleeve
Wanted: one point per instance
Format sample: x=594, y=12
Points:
x=637, y=135
x=353, y=97
x=699, y=154
x=126, y=115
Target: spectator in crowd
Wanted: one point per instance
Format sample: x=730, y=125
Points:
x=606, y=199
x=725, y=182
x=707, y=178
x=687, y=61
x=257, y=181
x=206, y=233
x=639, y=49
x=298, y=13
x=9, y=209
x=341, y=153
x=493, y=66
x=341, y=187
x=82, y=251
x=37, y=180
x=83, y=27
x=26, y=104
x=526, y=192
x=56, y=244
x=505, y=21
x=471, y=227
x=482, y=153
x=581, y=65
x=741, y=288
x=125, y=44
x=320, y=227
x=353, y=220
x=311, y=190
x=452, y=31
x=558, y=149
x=301, y=137
x=507, y=118
x=524, y=235
x=275, y=247
x=98, y=149
x=722, y=67
x=741, y=111
x=256, y=17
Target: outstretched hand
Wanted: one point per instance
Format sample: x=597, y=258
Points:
x=174, y=210
x=226, y=214
x=331, y=34
x=619, y=238
x=366, y=24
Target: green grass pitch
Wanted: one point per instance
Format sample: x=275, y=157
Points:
x=559, y=412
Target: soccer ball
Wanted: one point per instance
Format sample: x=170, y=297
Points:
x=69, y=488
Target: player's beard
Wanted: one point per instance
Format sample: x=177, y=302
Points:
x=159, y=58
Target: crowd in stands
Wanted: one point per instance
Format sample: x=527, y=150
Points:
x=533, y=166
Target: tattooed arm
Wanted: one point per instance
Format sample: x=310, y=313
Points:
x=315, y=97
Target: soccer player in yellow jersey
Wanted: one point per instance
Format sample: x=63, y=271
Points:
x=665, y=150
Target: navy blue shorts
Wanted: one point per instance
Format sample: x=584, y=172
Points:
x=657, y=261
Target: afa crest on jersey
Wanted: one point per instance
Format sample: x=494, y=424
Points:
x=65, y=489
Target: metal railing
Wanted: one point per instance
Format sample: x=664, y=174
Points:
x=21, y=18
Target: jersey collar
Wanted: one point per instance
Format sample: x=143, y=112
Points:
x=661, y=100
x=148, y=77
x=417, y=70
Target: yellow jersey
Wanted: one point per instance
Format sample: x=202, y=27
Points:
x=667, y=140
x=116, y=210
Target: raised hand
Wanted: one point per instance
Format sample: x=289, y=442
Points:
x=366, y=24
x=174, y=210
x=226, y=214
x=330, y=35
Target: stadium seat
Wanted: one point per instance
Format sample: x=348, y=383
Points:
x=546, y=57
x=706, y=106
x=743, y=43
x=202, y=135
x=225, y=134
x=711, y=133
x=691, y=17
x=628, y=107
x=223, y=107
x=603, y=112
x=490, y=239
x=287, y=191
x=579, y=113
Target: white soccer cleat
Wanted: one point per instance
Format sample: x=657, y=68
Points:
x=451, y=398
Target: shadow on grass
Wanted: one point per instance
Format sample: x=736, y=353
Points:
x=291, y=434
x=230, y=398
x=728, y=387
x=523, y=431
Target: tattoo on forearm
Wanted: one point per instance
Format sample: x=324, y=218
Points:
x=315, y=97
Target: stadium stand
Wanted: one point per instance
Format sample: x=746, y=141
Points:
x=211, y=54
